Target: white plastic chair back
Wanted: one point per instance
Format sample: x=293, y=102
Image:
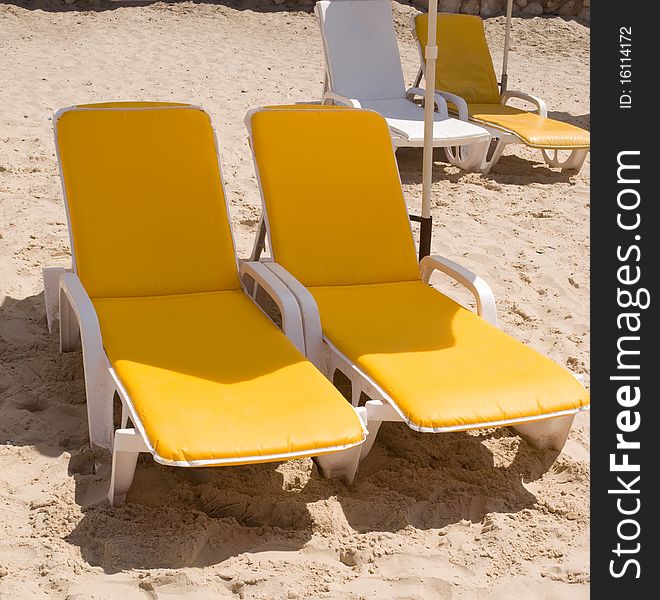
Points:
x=361, y=52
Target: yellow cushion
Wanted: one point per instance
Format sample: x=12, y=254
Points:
x=211, y=377
x=145, y=200
x=465, y=67
x=441, y=364
x=133, y=104
x=336, y=212
x=306, y=106
x=534, y=130
x=464, y=64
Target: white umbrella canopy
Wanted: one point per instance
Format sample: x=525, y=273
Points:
x=430, y=57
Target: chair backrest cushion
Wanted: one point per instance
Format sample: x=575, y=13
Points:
x=361, y=52
x=464, y=64
x=332, y=193
x=145, y=201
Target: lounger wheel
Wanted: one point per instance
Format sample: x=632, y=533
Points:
x=549, y=434
x=468, y=158
x=572, y=162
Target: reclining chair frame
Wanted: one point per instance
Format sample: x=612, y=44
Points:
x=501, y=138
x=546, y=431
x=470, y=157
x=67, y=301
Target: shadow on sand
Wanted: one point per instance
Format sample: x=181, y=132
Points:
x=195, y=517
x=91, y=6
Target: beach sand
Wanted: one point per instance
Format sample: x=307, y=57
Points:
x=462, y=516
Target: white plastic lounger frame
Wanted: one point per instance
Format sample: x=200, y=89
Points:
x=572, y=162
x=363, y=70
x=544, y=431
x=547, y=431
x=66, y=300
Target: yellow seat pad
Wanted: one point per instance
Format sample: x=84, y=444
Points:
x=212, y=378
x=145, y=200
x=338, y=200
x=443, y=366
x=465, y=68
x=534, y=130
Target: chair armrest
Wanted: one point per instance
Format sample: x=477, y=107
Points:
x=74, y=296
x=480, y=289
x=458, y=102
x=309, y=312
x=99, y=384
x=333, y=98
x=440, y=102
x=541, y=106
x=285, y=300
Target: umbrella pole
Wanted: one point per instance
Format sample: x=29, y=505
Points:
x=430, y=54
x=507, y=38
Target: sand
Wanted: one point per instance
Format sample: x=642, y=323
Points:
x=464, y=516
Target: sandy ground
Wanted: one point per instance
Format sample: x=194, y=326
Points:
x=478, y=515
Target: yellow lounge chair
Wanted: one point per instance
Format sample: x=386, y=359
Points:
x=155, y=298
x=464, y=68
x=341, y=241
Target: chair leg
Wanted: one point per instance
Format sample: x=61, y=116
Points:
x=356, y=392
x=124, y=416
x=99, y=386
x=469, y=158
x=51, y=278
x=418, y=77
x=495, y=156
x=128, y=445
x=100, y=391
x=378, y=411
x=259, y=240
x=69, y=330
x=549, y=434
x=372, y=427
x=342, y=465
x=573, y=162
x=339, y=465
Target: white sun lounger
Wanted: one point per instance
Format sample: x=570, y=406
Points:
x=158, y=303
x=363, y=70
x=465, y=69
x=367, y=309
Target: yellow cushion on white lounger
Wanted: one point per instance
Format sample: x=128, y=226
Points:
x=464, y=66
x=534, y=130
x=211, y=377
x=134, y=232
x=324, y=221
x=441, y=364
